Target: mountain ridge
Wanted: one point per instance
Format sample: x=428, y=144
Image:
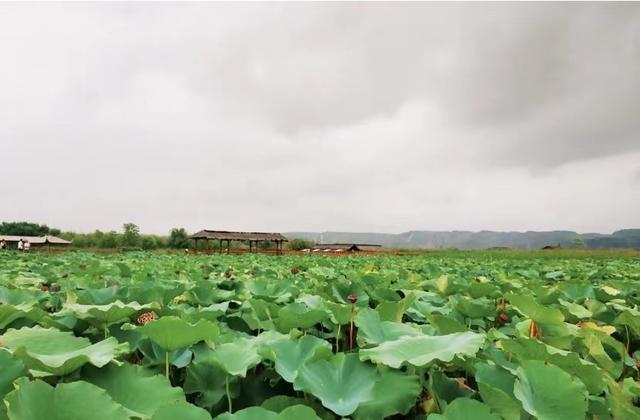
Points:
x=464, y=239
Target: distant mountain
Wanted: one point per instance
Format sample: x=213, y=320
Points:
x=628, y=238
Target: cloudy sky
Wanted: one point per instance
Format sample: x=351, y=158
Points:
x=358, y=117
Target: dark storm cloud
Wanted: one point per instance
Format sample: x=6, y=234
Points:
x=358, y=116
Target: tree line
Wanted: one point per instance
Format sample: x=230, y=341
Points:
x=129, y=238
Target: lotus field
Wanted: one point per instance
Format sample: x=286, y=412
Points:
x=443, y=336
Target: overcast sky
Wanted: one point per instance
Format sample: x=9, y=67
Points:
x=310, y=117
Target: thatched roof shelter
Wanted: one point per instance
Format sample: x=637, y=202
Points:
x=347, y=247
x=36, y=240
x=250, y=237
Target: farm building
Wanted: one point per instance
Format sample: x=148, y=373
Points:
x=252, y=238
x=346, y=248
x=12, y=240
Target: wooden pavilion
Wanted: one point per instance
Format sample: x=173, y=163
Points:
x=252, y=238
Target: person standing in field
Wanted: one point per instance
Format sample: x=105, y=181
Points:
x=20, y=245
x=27, y=246
x=3, y=244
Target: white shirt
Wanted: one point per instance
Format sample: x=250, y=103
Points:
x=20, y=245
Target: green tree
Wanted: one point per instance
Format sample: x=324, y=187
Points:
x=24, y=229
x=131, y=235
x=178, y=238
x=300, y=244
x=108, y=240
x=149, y=242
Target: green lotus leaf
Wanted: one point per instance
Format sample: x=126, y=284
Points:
x=496, y=389
x=299, y=315
x=531, y=349
x=193, y=314
x=474, y=308
x=464, y=409
x=180, y=410
x=420, y=350
x=12, y=368
x=172, y=333
x=236, y=357
x=630, y=318
x=140, y=390
x=79, y=400
x=104, y=314
x=576, y=310
x=446, y=324
x=57, y=352
x=528, y=307
x=154, y=355
x=445, y=390
x=295, y=412
x=251, y=413
x=340, y=383
x=394, y=311
x=371, y=330
x=621, y=405
x=10, y=313
x=393, y=393
x=207, y=381
x=549, y=393
x=289, y=355
x=279, y=403
x=595, y=342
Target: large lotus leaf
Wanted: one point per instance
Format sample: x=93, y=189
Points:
x=154, y=355
x=259, y=314
x=464, y=409
x=446, y=324
x=549, y=393
x=620, y=404
x=279, y=403
x=496, y=389
x=371, y=330
x=421, y=350
x=473, y=308
x=68, y=401
x=444, y=389
x=204, y=294
x=393, y=393
x=207, y=381
x=295, y=412
x=57, y=352
x=576, y=310
x=236, y=357
x=192, y=314
x=10, y=313
x=528, y=307
x=21, y=296
x=180, y=410
x=532, y=349
x=394, y=311
x=341, y=383
x=104, y=314
x=299, y=315
x=595, y=342
x=11, y=369
x=289, y=355
x=139, y=390
x=172, y=333
x=630, y=318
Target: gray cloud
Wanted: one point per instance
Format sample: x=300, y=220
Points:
x=353, y=116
